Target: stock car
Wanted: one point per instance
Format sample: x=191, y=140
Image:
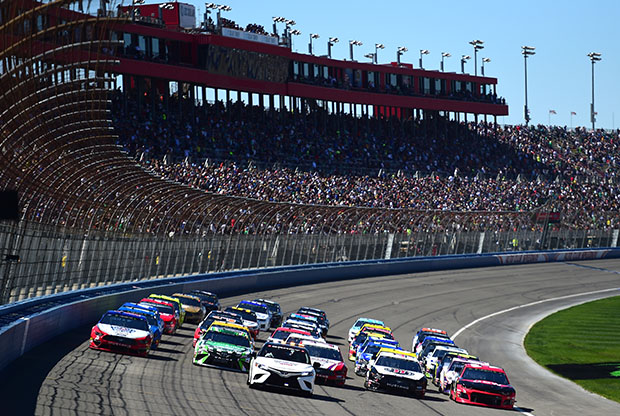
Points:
x=281, y=334
x=224, y=346
x=276, y=311
x=363, y=335
x=331, y=368
x=262, y=312
x=358, y=325
x=394, y=370
x=166, y=312
x=176, y=304
x=151, y=318
x=429, y=345
x=368, y=350
x=317, y=313
x=433, y=358
x=285, y=366
x=160, y=320
x=194, y=309
x=483, y=385
x=303, y=325
x=445, y=362
x=432, y=338
x=249, y=319
x=419, y=336
x=209, y=300
x=213, y=316
x=122, y=331
x=451, y=372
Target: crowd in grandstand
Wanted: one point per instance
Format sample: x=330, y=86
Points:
x=310, y=159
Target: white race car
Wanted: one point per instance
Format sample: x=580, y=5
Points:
x=285, y=366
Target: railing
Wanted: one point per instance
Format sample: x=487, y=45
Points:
x=40, y=259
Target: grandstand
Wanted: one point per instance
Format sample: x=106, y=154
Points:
x=126, y=169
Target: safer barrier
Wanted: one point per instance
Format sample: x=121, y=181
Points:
x=26, y=324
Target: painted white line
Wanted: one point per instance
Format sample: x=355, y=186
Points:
x=472, y=323
x=469, y=325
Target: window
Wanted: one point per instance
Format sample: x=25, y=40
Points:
x=391, y=80
x=317, y=71
x=295, y=69
x=425, y=85
x=306, y=70
x=325, y=72
x=439, y=86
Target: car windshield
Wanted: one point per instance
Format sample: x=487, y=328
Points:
x=486, y=375
x=399, y=363
x=322, y=352
x=227, y=338
x=248, y=316
x=161, y=308
x=281, y=334
x=124, y=321
x=361, y=322
x=150, y=319
x=372, y=349
x=457, y=366
x=255, y=308
x=189, y=301
x=285, y=353
x=206, y=297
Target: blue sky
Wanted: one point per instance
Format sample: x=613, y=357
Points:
x=559, y=75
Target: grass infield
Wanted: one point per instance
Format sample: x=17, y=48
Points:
x=582, y=344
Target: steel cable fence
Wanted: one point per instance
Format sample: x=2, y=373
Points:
x=39, y=259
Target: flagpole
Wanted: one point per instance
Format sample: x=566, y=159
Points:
x=571, y=120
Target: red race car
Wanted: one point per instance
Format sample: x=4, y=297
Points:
x=166, y=311
x=122, y=332
x=483, y=385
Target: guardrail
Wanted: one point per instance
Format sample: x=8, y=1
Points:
x=27, y=324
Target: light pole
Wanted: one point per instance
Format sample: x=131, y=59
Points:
x=370, y=56
x=330, y=43
x=353, y=43
x=296, y=33
x=444, y=55
x=312, y=36
x=277, y=19
x=594, y=57
x=526, y=51
x=485, y=60
x=377, y=47
x=464, y=59
x=399, y=51
x=423, y=52
x=220, y=8
x=135, y=3
x=477, y=44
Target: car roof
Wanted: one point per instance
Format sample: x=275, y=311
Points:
x=484, y=366
x=227, y=325
x=369, y=321
x=432, y=330
x=186, y=295
x=126, y=314
x=390, y=352
x=161, y=302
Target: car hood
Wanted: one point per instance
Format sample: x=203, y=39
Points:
x=389, y=371
x=222, y=346
x=283, y=366
x=261, y=316
x=325, y=363
x=121, y=331
x=488, y=386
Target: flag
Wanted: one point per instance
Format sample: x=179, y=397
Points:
x=572, y=113
x=552, y=112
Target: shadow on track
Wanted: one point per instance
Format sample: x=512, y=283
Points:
x=21, y=380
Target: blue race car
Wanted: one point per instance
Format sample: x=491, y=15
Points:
x=368, y=349
x=152, y=319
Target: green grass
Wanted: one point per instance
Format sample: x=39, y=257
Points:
x=582, y=344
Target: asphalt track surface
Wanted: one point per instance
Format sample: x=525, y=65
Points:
x=64, y=377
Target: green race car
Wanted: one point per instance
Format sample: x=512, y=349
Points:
x=224, y=347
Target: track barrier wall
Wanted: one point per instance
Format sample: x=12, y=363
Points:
x=29, y=323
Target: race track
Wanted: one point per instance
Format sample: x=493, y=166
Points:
x=65, y=377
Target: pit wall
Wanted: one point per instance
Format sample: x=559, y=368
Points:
x=30, y=323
